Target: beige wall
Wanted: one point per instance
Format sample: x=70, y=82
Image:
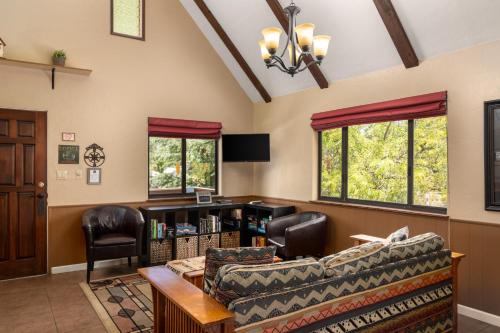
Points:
x=470, y=76
x=175, y=73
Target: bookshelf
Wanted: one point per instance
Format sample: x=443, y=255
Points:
x=196, y=223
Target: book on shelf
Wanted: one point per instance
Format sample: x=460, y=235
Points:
x=158, y=230
x=258, y=241
x=211, y=224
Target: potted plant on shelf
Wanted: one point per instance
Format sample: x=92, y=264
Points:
x=59, y=57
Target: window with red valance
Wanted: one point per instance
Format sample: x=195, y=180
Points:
x=183, y=156
x=391, y=153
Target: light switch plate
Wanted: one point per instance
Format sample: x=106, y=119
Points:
x=62, y=174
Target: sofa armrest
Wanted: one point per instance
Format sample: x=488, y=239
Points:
x=361, y=239
x=180, y=305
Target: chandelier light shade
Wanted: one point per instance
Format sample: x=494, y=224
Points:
x=272, y=39
x=321, y=43
x=305, y=35
x=301, y=42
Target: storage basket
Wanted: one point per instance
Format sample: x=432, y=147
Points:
x=160, y=252
x=207, y=242
x=186, y=247
x=230, y=239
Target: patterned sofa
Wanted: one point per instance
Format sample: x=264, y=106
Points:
x=404, y=286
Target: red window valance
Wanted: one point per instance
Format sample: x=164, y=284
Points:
x=429, y=105
x=179, y=128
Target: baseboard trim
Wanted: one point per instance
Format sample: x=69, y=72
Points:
x=486, y=317
x=83, y=266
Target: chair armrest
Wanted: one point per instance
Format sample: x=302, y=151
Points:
x=196, y=307
x=89, y=226
x=277, y=226
x=134, y=224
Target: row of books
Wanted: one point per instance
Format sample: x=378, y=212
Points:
x=210, y=225
x=258, y=241
x=160, y=230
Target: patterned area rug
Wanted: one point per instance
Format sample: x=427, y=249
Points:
x=124, y=303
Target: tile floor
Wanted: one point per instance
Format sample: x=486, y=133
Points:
x=56, y=304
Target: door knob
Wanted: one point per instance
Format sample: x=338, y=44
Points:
x=41, y=184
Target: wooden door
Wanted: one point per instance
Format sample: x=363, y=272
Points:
x=23, y=193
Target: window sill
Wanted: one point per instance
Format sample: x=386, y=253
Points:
x=380, y=208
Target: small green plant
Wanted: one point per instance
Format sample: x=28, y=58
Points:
x=59, y=54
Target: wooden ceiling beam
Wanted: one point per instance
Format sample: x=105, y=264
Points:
x=283, y=20
x=397, y=32
x=232, y=48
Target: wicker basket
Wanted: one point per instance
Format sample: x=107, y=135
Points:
x=208, y=242
x=160, y=252
x=230, y=239
x=186, y=247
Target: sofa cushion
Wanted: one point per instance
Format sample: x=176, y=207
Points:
x=356, y=259
x=399, y=235
x=216, y=258
x=236, y=281
x=416, y=246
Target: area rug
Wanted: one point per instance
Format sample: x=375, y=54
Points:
x=124, y=303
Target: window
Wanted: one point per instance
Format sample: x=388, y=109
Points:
x=182, y=166
x=128, y=18
x=400, y=164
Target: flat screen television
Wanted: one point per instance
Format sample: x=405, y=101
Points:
x=245, y=148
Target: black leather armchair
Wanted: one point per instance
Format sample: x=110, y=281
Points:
x=298, y=234
x=112, y=232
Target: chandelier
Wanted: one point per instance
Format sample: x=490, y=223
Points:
x=301, y=43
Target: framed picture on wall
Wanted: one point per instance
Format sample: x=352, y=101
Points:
x=492, y=155
x=94, y=176
x=68, y=154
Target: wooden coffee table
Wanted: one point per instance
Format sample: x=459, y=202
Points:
x=192, y=269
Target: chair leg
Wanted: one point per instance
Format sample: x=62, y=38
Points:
x=90, y=267
x=129, y=261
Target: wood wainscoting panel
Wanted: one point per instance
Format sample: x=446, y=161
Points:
x=479, y=271
x=66, y=239
x=346, y=220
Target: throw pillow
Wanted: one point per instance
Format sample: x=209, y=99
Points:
x=399, y=235
x=356, y=259
x=416, y=246
x=236, y=281
x=216, y=258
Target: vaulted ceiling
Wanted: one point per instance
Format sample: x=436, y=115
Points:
x=360, y=40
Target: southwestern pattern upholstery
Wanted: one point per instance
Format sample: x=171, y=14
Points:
x=405, y=292
x=236, y=281
x=416, y=246
x=355, y=259
x=216, y=258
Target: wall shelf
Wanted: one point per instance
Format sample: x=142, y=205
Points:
x=46, y=67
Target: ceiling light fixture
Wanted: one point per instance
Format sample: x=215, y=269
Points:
x=301, y=42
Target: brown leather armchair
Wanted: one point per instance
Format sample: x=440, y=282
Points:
x=112, y=232
x=298, y=234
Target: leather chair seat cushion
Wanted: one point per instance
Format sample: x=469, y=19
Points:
x=114, y=239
